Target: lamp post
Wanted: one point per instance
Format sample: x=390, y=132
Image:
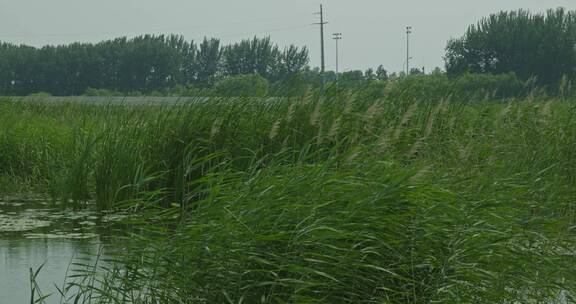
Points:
x=337, y=37
x=408, y=32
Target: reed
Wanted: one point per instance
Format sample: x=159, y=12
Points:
x=317, y=200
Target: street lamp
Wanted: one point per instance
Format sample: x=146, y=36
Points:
x=337, y=37
x=408, y=32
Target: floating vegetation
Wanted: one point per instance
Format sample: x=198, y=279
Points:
x=61, y=235
x=11, y=204
x=87, y=223
x=11, y=223
x=112, y=218
x=21, y=215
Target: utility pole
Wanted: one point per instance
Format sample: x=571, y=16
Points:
x=408, y=32
x=337, y=37
x=322, y=65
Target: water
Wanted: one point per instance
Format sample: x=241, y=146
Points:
x=33, y=232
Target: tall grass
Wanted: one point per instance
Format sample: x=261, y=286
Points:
x=330, y=200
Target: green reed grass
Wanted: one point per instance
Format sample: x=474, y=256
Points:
x=315, y=199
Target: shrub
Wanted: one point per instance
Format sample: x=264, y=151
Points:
x=466, y=87
x=242, y=86
x=41, y=94
x=101, y=92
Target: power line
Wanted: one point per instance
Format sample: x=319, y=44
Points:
x=266, y=31
x=138, y=31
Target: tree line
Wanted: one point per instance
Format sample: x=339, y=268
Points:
x=145, y=63
x=538, y=46
x=539, y=49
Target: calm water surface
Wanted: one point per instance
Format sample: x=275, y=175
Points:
x=33, y=232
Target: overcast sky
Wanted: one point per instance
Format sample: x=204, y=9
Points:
x=373, y=30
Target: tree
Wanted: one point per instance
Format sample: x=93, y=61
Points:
x=369, y=74
x=148, y=63
x=416, y=71
x=208, y=62
x=540, y=45
x=437, y=71
x=242, y=86
x=381, y=73
x=292, y=61
x=260, y=56
x=352, y=77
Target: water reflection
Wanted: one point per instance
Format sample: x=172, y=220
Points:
x=18, y=255
x=33, y=232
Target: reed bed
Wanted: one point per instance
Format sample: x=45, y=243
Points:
x=345, y=199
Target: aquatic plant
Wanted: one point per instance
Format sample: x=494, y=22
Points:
x=315, y=199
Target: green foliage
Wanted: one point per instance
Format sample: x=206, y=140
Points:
x=381, y=73
x=242, y=86
x=352, y=77
x=101, y=92
x=293, y=86
x=471, y=87
x=260, y=56
x=530, y=45
x=145, y=64
x=492, y=86
x=40, y=94
x=318, y=199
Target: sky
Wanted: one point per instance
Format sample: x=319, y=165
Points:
x=373, y=31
